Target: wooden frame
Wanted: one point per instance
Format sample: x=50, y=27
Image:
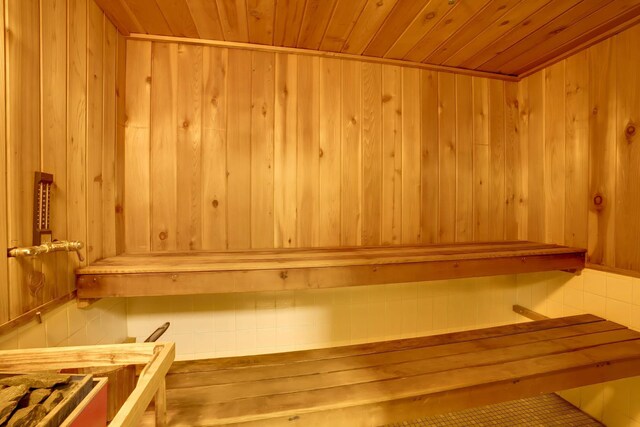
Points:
x=157, y=358
x=315, y=268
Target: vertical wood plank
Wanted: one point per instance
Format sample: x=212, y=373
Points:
x=239, y=150
x=536, y=153
x=554, y=164
x=480, y=159
x=411, y=148
x=137, y=226
x=497, y=196
x=628, y=173
x=464, y=159
x=371, y=153
x=163, y=148
x=23, y=148
x=121, y=119
x=329, y=167
x=214, y=149
x=447, y=160
x=577, y=150
x=95, y=102
x=430, y=156
x=53, y=16
x=262, y=122
x=602, y=152
x=110, y=125
x=391, y=155
x=351, y=153
x=77, y=127
x=285, y=151
x=516, y=168
x=308, y=151
x=4, y=217
x=189, y=147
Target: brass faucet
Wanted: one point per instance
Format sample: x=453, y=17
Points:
x=47, y=247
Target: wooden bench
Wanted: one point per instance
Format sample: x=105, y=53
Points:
x=279, y=269
x=378, y=383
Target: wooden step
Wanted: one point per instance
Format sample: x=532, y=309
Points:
x=312, y=268
x=378, y=383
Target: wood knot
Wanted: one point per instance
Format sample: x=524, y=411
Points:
x=284, y=275
x=118, y=208
x=163, y=235
x=429, y=16
x=380, y=3
x=214, y=203
x=174, y=277
x=354, y=121
x=594, y=111
x=503, y=23
x=321, y=153
x=598, y=200
x=386, y=98
x=557, y=31
x=630, y=131
x=185, y=124
x=148, y=79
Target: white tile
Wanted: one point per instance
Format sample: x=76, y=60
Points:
x=592, y=400
x=619, y=312
x=78, y=338
x=57, y=327
x=619, y=287
x=33, y=337
x=246, y=341
x=204, y=342
x=595, y=282
x=77, y=318
x=95, y=332
x=595, y=304
x=636, y=291
x=225, y=341
x=574, y=298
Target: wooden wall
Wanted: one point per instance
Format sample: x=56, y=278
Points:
x=62, y=59
x=579, y=120
x=229, y=148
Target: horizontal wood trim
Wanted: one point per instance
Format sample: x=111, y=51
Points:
x=435, y=375
x=324, y=54
x=30, y=315
x=613, y=270
x=218, y=272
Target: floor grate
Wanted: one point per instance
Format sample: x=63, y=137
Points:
x=546, y=410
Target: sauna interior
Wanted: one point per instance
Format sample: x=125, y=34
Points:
x=350, y=212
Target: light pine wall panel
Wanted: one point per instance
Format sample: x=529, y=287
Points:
x=579, y=118
x=286, y=150
x=61, y=59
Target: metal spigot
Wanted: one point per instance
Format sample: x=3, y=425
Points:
x=47, y=247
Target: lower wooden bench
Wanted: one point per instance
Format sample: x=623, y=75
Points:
x=378, y=383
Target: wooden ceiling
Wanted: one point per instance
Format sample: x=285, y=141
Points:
x=509, y=37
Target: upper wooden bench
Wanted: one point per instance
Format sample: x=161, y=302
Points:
x=379, y=383
x=173, y=273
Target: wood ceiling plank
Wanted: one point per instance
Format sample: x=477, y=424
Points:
x=558, y=28
x=122, y=17
x=289, y=14
x=314, y=23
x=485, y=18
x=580, y=33
x=372, y=17
x=261, y=17
x=399, y=18
x=521, y=30
x=457, y=18
x=344, y=17
x=422, y=23
x=233, y=18
x=206, y=18
x=178, y=17
x=150, y=16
